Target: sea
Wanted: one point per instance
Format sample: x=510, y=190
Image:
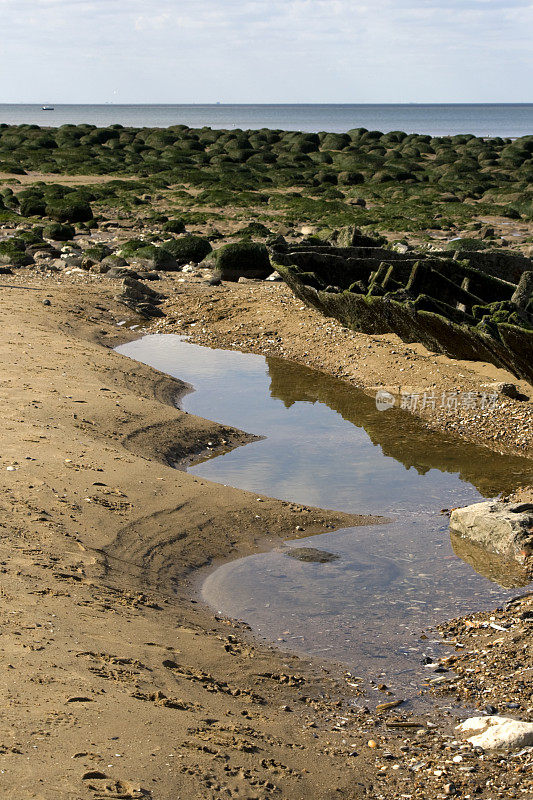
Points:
x=509, y=120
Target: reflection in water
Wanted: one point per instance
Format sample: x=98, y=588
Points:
x=361, y=595
x=399, y=435
x=507, y=573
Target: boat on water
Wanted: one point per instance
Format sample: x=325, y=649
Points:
x=47, y=108
x=469, y=305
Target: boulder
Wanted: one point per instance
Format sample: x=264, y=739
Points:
x=113, y=262
x=174, y=226
x=502, y=528
x=135, y=290
x=497, y=733
x=97, y=252
x=188, y=248
x=140, y=298
x=241, y=260
x=121, y=272
x=153, y=257
x=59, y=232
x=69, y=210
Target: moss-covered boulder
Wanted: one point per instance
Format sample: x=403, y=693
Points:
x=95, y=254
x=188, y=248
x=32, y=207
x=241, y=260
x=69, y=209
x=351, y=178
x=13, y=253
x=174, y=226
x=255, y=229
x=58, y=232
x=149, y=255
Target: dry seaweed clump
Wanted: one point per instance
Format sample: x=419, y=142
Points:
x=478, y=308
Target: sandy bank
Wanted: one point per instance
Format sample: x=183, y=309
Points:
x=115, y=683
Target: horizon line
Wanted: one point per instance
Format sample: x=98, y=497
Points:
x=271, y=104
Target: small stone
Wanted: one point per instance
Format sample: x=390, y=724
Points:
x=450, y=789
x=372, y=744
x=47, y=302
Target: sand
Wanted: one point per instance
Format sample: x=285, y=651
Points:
x=116, y=681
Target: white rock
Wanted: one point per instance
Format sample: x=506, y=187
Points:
x=503, y=528
x=497, y=733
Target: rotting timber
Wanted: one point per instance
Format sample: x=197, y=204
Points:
x=476, y=306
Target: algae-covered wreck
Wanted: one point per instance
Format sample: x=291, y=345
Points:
x=472, y=305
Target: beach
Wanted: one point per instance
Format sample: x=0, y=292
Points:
x=119, y=682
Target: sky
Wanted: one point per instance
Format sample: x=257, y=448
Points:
x=266, y=51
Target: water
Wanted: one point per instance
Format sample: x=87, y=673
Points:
x=506, y=120
x=327, y=445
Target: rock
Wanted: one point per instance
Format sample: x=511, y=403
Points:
x=121, y=272
x=503, y=528
x=274, y=276
x=486, y=232
x=135, y=290
x=460, y=244
x=400, y=247
x=357, y=201
x=497, y=733
x=96, y=253
x=113, y=261
x=59, y=232
x=311, y=555
x=174, y=226
x=505, y=389
x=140, y=298
x=214, y=281
x=188, y=248
x=149, y=276
x=241, y=260
x=72, y=261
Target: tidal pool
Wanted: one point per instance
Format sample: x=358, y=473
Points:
x=361, y=595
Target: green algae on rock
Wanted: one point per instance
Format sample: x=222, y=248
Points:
x=477, y=309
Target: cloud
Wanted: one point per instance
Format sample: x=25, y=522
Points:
x=269, y=49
